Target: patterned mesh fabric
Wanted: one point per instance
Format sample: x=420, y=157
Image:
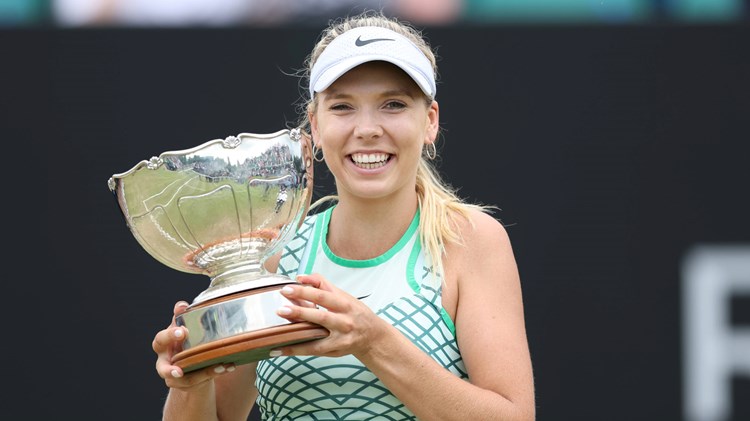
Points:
x=322, y=388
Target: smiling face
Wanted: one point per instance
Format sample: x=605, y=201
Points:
x=371, y=124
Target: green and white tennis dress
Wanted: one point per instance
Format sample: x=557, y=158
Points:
x=396, y=285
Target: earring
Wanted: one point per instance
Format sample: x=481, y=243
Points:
x=431, y=151
x=315, y=154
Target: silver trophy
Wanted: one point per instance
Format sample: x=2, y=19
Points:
x=221, y=209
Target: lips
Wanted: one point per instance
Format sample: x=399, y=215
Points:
x=370, y=161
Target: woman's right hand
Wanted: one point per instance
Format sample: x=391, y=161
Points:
x=167, y=343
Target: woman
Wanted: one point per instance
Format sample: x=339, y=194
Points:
x=440, y=332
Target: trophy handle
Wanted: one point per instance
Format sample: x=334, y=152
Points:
x=307, y=153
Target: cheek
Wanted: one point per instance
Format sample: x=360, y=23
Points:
x=330, y=135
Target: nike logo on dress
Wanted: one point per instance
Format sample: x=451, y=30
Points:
x=362, y=42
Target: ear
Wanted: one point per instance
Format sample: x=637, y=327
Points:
x=433, y=123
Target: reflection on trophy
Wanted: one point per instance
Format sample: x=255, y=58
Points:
x=221, y=209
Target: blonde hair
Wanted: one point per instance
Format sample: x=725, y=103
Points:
x=439, y=205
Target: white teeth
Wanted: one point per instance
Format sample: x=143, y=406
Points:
x=379, y=158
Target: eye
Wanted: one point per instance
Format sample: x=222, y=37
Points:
x=395, y=105
x=340, y=107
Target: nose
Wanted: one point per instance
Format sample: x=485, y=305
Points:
x=368, y=126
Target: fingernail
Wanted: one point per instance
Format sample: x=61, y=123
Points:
x=219, y=369
x=284, y=311
x=178, y=333
x=275, y=353
x=231, y=368
x=176, y=374
x=183, y=303
x=287, y=290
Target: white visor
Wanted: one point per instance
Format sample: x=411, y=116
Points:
x=361, y=45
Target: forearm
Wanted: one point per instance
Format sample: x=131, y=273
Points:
x=431, y=391
x=198, y=403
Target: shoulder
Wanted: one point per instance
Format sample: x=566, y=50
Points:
x=479, y=230
x=484, y=249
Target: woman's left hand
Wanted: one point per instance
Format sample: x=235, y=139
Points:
x=352, y=325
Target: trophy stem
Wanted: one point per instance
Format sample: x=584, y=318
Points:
x=239, y=276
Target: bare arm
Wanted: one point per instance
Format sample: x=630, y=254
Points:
x=225, y=396
x=221, y=392
x=491, y=334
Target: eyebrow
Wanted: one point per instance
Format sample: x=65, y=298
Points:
x=334, y=94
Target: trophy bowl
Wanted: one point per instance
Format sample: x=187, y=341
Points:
x=221, y=209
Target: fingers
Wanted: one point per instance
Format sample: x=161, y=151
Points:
x=322, y=293
x=315, y=280
x=173, y=336
x=179, y=308
x=167, y=343
x=186, y=381
x=302, y=303
x=169, y=339
x=318, y=292
x=352, y=325
x=322, y=317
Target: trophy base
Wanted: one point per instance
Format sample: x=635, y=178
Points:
x=240, y=328
x=247, y=347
